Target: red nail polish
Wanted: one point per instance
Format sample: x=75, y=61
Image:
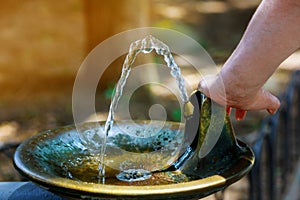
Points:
x=240, y=114
x=228, y=110
x=271, y=111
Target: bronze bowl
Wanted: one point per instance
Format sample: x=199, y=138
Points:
x=46, y=159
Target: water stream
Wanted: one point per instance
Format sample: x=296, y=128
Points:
x=146, y=45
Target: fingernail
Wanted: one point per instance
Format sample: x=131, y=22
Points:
x=271, y=111
x=240, y=114
x=228, y=110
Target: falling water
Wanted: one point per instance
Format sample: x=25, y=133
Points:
x=146, y=45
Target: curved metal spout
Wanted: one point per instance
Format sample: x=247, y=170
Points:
x=192, y=115
x=196, y=132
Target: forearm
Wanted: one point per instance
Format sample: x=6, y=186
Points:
x=272, y=35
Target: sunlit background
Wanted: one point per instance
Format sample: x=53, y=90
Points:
x=43, y=42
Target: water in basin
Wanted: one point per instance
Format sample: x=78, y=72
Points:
x=146, y=45
x=130, y=158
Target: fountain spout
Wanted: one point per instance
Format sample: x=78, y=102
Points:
x=197, y=125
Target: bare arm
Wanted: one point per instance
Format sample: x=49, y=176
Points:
x=272, y=35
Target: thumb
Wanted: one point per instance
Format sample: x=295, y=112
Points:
x=272, y=102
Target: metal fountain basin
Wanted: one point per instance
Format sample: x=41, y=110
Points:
x=39, y=159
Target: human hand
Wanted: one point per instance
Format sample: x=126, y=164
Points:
x=242, y=100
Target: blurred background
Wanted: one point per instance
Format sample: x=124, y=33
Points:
x=43, y=43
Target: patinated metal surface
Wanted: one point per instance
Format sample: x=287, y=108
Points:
x=48, y=160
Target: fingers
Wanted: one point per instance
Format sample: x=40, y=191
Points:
x=260, y=100
x=265, y=100
x=239, y=114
